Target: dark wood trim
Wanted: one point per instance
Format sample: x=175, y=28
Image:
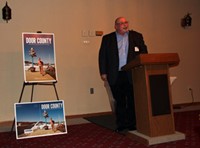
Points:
x=88, y=115
x=9, y=123
x=182, y=105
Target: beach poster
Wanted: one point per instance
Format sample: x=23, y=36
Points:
x=39, y=57
x=38, y=119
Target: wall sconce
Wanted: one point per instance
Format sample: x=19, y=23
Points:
x=186, y=21
x=6, y=13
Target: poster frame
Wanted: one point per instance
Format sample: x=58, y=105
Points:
x=39, y=119
x=35, y=46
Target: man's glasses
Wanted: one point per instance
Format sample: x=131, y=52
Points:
x=122, y=23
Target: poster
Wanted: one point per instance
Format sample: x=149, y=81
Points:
x=39, y=57
x=38, y=119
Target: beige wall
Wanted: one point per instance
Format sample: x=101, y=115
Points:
x=158, y=20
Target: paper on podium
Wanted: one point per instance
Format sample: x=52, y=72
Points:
x=172, y=79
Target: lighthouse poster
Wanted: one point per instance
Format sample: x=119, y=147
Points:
x=38, y=119
x=39, y=57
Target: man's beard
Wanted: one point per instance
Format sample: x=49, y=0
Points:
x=125, y=29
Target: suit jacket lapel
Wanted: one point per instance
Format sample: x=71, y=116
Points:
x=131, y=51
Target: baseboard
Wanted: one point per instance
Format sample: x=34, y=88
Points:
x=183, y=105
x=175, y=106
x=9, y=123
x=88, y=115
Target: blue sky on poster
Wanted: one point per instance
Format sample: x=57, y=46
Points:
x=33, y=112
x=43, y=44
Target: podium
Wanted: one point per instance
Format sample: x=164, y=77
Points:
x=153, y=101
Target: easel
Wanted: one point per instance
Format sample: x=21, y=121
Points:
x=33, y=84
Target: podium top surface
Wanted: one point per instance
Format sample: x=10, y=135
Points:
x=172, y=59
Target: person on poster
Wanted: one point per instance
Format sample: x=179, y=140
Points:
x=41, y=68
x=52, y=122
x=117, y=49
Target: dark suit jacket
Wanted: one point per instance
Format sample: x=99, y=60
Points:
x=109, y=58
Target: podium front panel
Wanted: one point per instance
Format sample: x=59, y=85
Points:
x=159, y=91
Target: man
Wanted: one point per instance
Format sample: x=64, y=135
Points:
x=117, y=49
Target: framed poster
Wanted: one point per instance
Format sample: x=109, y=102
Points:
x=38, y=119
x=39, y=57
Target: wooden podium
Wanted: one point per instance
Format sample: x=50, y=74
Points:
x=152, y=94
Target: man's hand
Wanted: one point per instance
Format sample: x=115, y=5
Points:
x=104, y=77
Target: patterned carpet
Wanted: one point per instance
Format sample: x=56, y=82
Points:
x=91, y=135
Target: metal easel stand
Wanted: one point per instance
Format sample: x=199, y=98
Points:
x=33, y=84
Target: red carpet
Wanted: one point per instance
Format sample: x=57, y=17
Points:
x=94, y=136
